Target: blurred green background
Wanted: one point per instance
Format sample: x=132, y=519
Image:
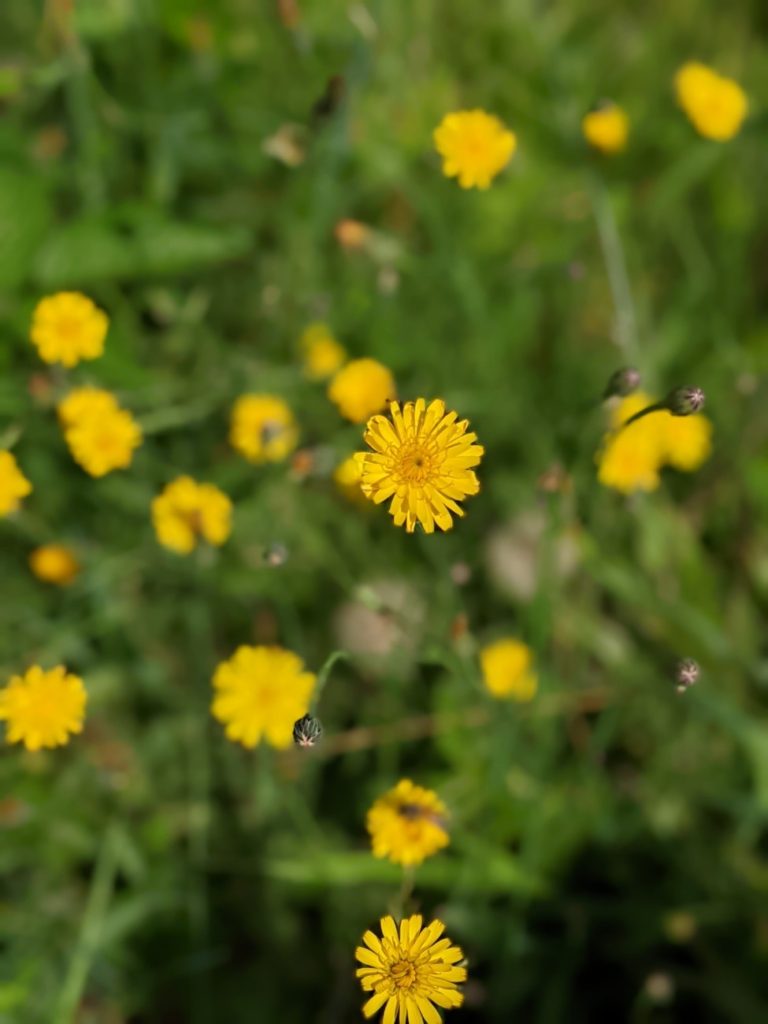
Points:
x=185, y=164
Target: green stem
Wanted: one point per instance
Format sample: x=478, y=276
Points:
x=616, y=266
x=324, y=674
x=88, y=943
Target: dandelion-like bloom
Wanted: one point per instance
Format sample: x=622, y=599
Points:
x=422, y=458
x=100, y=437
x=42, y=709
x=407, y=824
x=322, y=353
x=263, y=428
x=410, y=971
x=475, y=147
x=606, y=128
x=54, y=563
x=13, y=484
x=68, y=327
x=362, y=388
x=83, y=402
x=260, y=692
x=507, y=667
x=186, y=511
x=715, y=105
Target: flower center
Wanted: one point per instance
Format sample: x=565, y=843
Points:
x=403, y=974
x=414, y=463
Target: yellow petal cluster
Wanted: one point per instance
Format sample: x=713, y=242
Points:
x=54, y=563
x=407, y=824
x=606, y=128
x=715, y=105
x=100, y=435
x=507, y=669
x=475, y=147
x=361, y=388
x=263, y=428
x=13, y=484
x=68, y=327
x=43, y=709
x=187, y=511
x=321, y=352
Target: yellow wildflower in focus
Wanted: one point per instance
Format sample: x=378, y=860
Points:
x=606, y=128
x=422, y=458
x=68, y=327
x=362, y=388
x=507, y=667
x=187, y=511
x=714, y=104
x=410, y=971
x=101, y=443
x=260, y=692
x=42, y=709
x=347, y=478
x=407, y=824
x=83, y=402
x=13, y=484
x=54, y=563
x=323, y=355
x=474, y=146
x=263, y=428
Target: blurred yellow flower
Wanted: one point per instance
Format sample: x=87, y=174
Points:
x=347, y=478
x=263, y=428
x=13, y=484
x=422, y=458
x=606, y=128
x=83, y=402
x=714, y=104
x=410, y=972
x=68, y=327
x=631, y=457
x=323, y=355
x=507, y=667
x=362, y=388
x=42, y=709
x=407, y=824
x=260, y=692
x=102, y=442
x=54, y=563
x=474, y=146
x=187, y=511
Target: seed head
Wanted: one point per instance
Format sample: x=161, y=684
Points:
x=685, y=401
x=622, y=383
x=307, y=731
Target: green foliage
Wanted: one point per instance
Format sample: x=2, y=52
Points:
x=152, y=872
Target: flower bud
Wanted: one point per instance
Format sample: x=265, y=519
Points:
x=686, y=674
x=685, y=401
x=307, y=731
x=622, y=383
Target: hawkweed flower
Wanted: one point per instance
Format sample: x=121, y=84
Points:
x=187, y=511
x=263, y=428
x=606, y=128
x=422, y=457
x=260, y=693
x=54, y=563
x=362, y=388
x=410, y=971
x=68, y=327
x=43, y=709
x=507, y=668
x=322, y=353
x=715, y=105
x=101, y=436
x=13, y=484
x=407, y=824
x=475, y=147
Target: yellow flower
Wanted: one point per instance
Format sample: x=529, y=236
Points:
x=410, y=971
x=422, y=459
x=474, y=146
x=346, y=476
x=100, y=443
x=260, y=693
x=68, y=327
x=407, y=824
x=42, y=708
x=606, y=128
x=323, y=355
x=13, y=484
x=263, y=428
x=687, y=440
x=54, y=563
x=507, y=667
x=362, y=388
x=714, y=104
x=86, y=401
x=186, y=511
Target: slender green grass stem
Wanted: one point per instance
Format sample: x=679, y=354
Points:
x=616, y=266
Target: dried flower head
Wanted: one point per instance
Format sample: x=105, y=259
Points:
x=715, y=105
x=361, y=388
x=42, y=709
x=507, y=667
x=407, y=824
x=307, y=731
x=475, y=147
x=13, y=484
x=410, y=971
x=187, y=511
x=422, y=458
x=263, y=428
x=68, y=327
x=54, y=563
x=606, y=128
